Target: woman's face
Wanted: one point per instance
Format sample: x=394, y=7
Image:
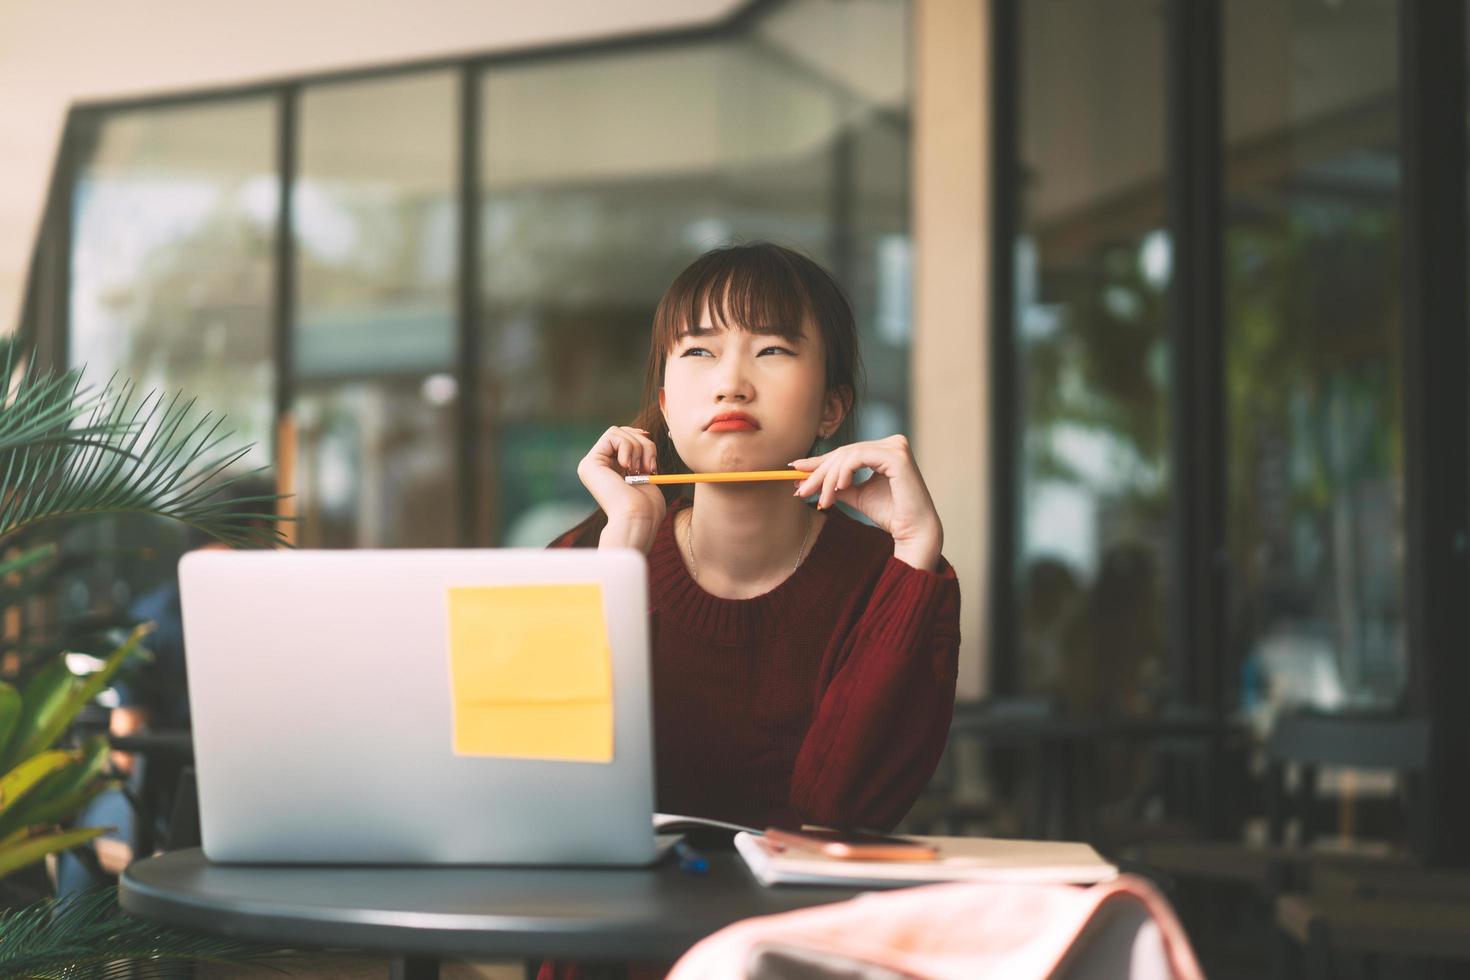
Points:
x=736, y=400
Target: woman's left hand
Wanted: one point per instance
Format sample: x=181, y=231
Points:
x=894, y=497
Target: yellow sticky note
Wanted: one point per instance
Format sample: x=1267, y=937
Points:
x=530, y=670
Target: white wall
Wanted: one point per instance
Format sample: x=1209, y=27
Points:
x=57, y=52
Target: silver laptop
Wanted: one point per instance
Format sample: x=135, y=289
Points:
x=322, y=691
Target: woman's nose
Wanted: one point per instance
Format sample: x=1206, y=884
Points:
x=733, y=383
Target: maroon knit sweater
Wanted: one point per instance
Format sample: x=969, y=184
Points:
x=826, y=700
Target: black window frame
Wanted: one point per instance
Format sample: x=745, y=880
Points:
x=1436, y=381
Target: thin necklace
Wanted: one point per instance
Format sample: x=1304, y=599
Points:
x=811, y=519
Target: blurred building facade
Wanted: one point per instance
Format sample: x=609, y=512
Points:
x=1171, y=448
x=1310, y=332
x=423, y=288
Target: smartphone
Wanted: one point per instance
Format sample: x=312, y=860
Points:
x=854, y=845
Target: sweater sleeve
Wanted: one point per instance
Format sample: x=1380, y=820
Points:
x=886, y=702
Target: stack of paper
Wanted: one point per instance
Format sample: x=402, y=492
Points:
x=960, y=859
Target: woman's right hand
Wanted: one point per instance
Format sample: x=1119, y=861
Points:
x=634, y=513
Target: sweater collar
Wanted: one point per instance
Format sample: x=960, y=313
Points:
x=680, y=599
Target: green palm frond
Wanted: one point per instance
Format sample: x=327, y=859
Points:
x=87, y=937
x=26, y=574
x=152, y=455
x=94, y=634
x=27, y=559
x=40, y=410
x=10, y=710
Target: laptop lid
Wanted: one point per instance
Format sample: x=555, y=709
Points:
x=322, y=689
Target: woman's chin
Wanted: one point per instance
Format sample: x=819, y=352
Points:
x=738, y=453
x=735, y=463
x=738, y=460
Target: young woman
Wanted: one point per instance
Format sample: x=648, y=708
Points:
x=803, y=662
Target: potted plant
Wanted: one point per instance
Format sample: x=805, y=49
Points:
x=70, y=453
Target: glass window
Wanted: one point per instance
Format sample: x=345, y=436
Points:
x=173, y=229
x=1313, y=353
x=603, y=176
x=1091, y=348
x=375, y=215
x=174, y=221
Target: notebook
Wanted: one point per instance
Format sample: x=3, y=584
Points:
x=988, y=859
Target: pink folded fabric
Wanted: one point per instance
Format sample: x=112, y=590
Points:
x=1123, y=928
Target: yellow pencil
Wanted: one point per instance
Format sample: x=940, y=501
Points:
x=663, y=479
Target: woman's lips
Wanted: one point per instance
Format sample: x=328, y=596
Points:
x=731, y=421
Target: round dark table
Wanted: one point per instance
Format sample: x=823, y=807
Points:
x=418, y=914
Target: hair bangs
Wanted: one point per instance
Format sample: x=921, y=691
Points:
x=740, y=289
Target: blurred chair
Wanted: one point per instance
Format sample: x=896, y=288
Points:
x=1039, y=766
x=952, y=803
x=1299, y=746
x=167, y=801
x=1369, y=913
x=1296, y=751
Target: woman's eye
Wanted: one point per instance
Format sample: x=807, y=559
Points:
x=694, y=350
x=781, y=350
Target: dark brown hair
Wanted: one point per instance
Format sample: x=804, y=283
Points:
x=756, y=284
